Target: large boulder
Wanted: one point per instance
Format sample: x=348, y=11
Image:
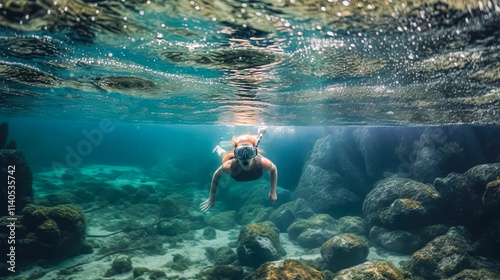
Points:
x=443, y=257
x=466, y=196
x=223, y=221
x=286, y=270
x=341, y=171
x=406, y=242
x=399, y=203
x=258, y=243
x=376, y=270
x=344, y=250
x=479, y=274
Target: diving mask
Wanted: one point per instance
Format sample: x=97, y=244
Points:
x=245, y=151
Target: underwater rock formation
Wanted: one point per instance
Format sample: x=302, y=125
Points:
x=323, y=224
x=228, y=272
x=121, y=264
x=406, y=242
x=286, y=214
x=258, y=243
x=351, y=224
x=13, y=164
x=340, y=172
x=286, y=270
x=443, y=257
x=479, y=274
x=463, y=194
x=344, y=250
x=48, y=233
x=398, y=203
x=375, y=270
x=224, y=256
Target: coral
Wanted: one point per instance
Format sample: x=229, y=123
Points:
x=344, y=250
x=286, y=270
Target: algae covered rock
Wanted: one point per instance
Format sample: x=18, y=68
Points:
x=121, y=264
x=471, y=274
x=227, y=272
x=209, y=233
x=376, y=270
x=286, y=270
x=443, y=257
x=258, y=243
x=399, y=203
x=223, y=221
x=351, y=224
x=491, y=197
x=344, y=250
x=224, y=256
x=406, y=242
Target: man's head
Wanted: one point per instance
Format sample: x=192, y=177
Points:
x=245, y=152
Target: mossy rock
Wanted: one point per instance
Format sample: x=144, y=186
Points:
x=223, y=221
x=121, y=264
x=224, y=256
x=344, y=250
x=48, y=232
x=320, y=221
x=480, y=274
x=173, y=227
x=376, y=270
x=258, y=243
x=179, y=263
x=225, y=272
x=157, y=274
x=286, y=270
x=351, y=224
x=209, y=233
x=443, y=257
x=34, y=215
x=139, y=271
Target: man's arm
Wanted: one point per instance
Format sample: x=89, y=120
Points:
x=209, y=203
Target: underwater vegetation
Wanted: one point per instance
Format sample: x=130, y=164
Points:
x=356, y=213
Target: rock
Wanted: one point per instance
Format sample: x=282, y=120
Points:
x=470, y=274
x=173, y=227
x=351, y=224
x=226, y=272
x=13, y=163
x=398, y=203
x=341, y=171
x=463, y=194
x=257, y=243
x=168, y=208
x=325, y=191
x=406, y=242
x=223, y=221
x=157, y=274
x=139, y=271
x=491, y=198
x=376, y=270
x=224, y=256
x=285, y=270
x=209, y=233
x=253, y=214
x=322, y=222
x=179, y=263
x=286, y=214
x=121, y=264
x=443, y=257
x=344, y=250
x=314, y=237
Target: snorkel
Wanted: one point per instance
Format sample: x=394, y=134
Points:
x=261, y=133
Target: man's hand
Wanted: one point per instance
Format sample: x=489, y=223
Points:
x=209, y=203
x=273, y=197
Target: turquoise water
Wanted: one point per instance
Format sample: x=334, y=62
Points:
x=382, y=121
